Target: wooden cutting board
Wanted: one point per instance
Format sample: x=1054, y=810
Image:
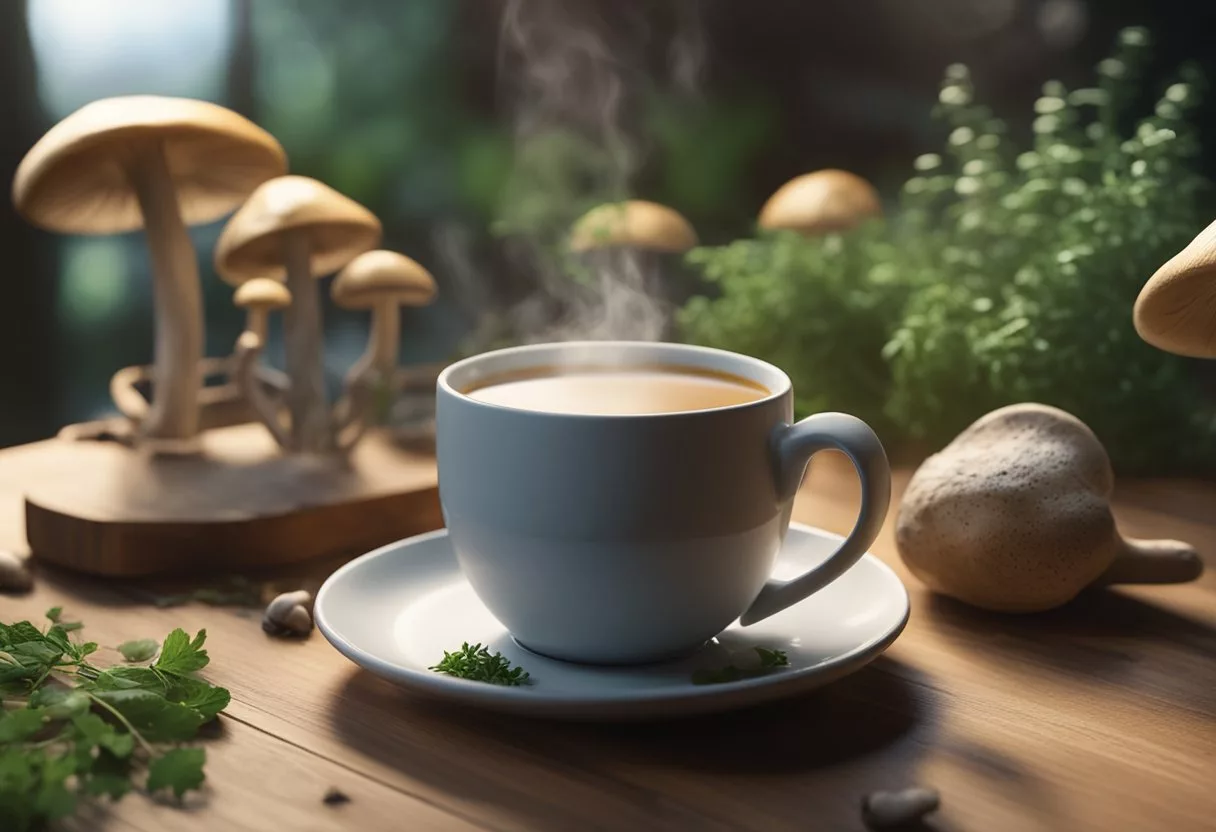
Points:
x=108, y=509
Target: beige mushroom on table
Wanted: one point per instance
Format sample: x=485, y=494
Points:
x=159, y=164
x=1176, y=309
x=820, y=203
x=259, y=297
x=1014, y=516
x=383, y=282
x=635, y=223
x=299, y=229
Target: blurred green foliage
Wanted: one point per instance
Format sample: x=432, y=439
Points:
x=1000, y=277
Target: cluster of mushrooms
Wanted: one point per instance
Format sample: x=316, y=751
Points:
x=162, y=164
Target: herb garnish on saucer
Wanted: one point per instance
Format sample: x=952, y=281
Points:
x=477, y=664
x=769, y=659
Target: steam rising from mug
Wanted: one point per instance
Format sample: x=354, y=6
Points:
x=567, y=76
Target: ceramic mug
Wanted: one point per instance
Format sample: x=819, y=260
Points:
x=615, y=539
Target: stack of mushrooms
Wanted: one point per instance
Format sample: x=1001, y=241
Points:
x=820, y=203
x=162, y=164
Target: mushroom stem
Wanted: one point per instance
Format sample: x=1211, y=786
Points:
x=385, y=333
x=178, y=301
x=126, y=398
x=248, y=349
x=377, y=364
x=302, y=330
x=255, y=322
x=1153, y=562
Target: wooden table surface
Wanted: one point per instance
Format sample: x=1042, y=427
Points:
x=1100, y=716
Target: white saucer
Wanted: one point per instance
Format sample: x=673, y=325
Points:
x=395, y=610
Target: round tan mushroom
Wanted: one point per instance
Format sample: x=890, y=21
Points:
x=382, y=281
x=155, y=163
x=297, y=227
x=821, y=202
x=259, y=297
x=635, y=223
x=1176, y=309
x=1013, y=516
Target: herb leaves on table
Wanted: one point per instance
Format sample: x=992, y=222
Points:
x=71, y=731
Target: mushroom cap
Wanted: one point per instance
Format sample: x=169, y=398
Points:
x=74, y=179
x=251, y=244
x=1176, y=309
x=376, y=276
x=1013, y=515
x=262, y=293
x=635, y=223
x=820, y=202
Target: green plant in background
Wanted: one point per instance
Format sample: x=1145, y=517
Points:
x=1001, y=277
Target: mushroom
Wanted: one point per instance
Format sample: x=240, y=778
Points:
x=382, y=281
x=1176, y=309
x=155, y=163
x=1013, y=516
x=821, y=202
x=258, y=297
x=301, y=228
x=635, y=223
x=287, y=614
x=14, y=573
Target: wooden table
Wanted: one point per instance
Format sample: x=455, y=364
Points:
x=1101, y=716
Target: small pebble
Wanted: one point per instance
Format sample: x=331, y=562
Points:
x=287, y=615
x=891, y=810
x=333, y=797
x=15, y=575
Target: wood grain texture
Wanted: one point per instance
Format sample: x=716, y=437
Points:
x=107, y=509
x=1098, y=716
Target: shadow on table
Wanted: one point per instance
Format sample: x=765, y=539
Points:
x=1103, y=635
x=866, y=731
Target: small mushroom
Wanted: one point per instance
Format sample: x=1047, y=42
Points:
x=1014, y=516
x=298, y=227
x=15, y=575
x=821, y=202
x=382, y=281
x=159, y=164
x=892, y=810
x=1176, y=309
x=287, y=614
x=259, y=297
x=635, y=223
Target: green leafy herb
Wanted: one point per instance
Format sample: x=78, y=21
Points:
x=139, y=650
x=769, y=660
x=71, y=731
x=477, y=664
x=1002, y=274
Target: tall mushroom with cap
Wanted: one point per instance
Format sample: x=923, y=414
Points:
x=635, y=223
x=821, y=202
x=382, y=281
x=298, y=227
x=160, y=164
x=1176, y=309
x=260, y=297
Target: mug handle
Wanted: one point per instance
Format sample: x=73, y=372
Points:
x=793, y=447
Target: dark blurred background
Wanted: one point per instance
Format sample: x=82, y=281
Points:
x=403, y=104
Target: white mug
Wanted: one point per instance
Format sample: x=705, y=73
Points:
x=616, y=539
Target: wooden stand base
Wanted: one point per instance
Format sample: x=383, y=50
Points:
x=238, y=504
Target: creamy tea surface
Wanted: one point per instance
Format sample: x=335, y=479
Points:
x=620, y=392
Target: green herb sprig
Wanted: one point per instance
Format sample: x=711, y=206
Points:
x=769, y=660
x=477, y=664
x=71, y=731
